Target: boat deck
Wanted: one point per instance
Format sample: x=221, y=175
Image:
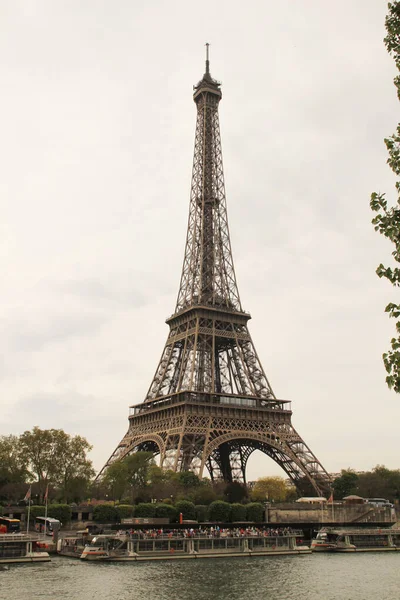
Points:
x=21, y=548
x=127, y=548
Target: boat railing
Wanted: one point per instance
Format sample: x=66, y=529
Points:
x=19, y=537
x=232, y=401
x=213, y=544
x=360, y=531
x=180, y=536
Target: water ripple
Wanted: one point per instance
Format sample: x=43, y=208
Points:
x=368, y=576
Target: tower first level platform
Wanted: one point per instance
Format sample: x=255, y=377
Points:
x=218, y=433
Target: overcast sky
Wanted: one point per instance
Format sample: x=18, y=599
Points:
x=97, y=129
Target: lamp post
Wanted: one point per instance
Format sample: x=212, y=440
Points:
x=266, y=509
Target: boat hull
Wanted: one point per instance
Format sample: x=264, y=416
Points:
x=33, y=558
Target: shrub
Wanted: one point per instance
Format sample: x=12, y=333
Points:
x=203, y=494
x=124, y=511
x=36, y=511
x=188, y=479
x=219, y=511
x=238, y=512
x=62, y=512
x=255, y=512
x=165, y=511
x=105, y=513
x=145, y=509
x=167, y=501
x=201, y=513
x=187, y=509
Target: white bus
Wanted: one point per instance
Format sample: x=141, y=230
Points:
x=312, y=499
x=46, y=525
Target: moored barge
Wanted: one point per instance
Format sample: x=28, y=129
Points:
x=21, y=548
x=110, y=548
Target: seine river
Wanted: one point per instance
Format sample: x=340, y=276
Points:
x=364, y=576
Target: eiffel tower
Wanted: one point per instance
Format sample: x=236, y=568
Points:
x=210, y=404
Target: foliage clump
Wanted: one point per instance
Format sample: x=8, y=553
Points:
x=219, y=511
x=387, y=219
x=255, y=512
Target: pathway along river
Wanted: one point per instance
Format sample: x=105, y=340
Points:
x=363, y=576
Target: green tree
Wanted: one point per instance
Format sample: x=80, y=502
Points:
x=188, y=479
x=116, y=479
x=12, y=462
x=138, y=466
x=203, y=494
x=76, y=490
x=387, y=220
x=346, y=484
x=54, y=456
x=381, y=482
x=73, y=464
x=291, y=493
x=273, y=489
x=162, y=483
x=235, y=492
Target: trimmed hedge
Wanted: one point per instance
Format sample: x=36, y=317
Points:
x=145, y=509
x=105, y=513
x=36, y=510
x=219, y=511
x=201, y=512
x=124, y=511
x=238, y=512
x=62, y=512
x=255, y=512
x=165, y=511
x=187, y=509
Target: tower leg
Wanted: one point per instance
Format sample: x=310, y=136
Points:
x=225, y=463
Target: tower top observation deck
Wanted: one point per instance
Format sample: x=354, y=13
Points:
x=207, y=83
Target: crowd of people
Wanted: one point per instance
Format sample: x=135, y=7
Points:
x=209, y=532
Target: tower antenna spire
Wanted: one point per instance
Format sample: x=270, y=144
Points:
x=207, y=59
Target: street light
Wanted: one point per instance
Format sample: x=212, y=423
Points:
x=266, y=508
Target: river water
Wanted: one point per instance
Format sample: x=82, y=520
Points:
x=363, y=576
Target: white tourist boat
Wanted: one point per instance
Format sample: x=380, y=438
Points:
x=132, y=548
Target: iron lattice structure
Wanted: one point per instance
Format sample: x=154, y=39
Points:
x=210, y=404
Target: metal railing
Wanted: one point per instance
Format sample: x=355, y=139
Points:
x=214, y=400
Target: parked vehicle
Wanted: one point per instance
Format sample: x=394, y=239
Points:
x=47, y=525
x=381, y=502
x=8, y=525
